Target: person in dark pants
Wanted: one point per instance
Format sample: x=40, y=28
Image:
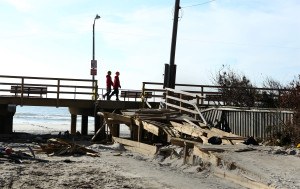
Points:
x=116, y=86
x=109, y=83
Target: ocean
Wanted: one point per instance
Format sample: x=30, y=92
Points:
x=49, y=120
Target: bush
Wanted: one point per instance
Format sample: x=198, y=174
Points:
x=236, y=90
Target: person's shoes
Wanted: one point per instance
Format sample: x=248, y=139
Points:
x=103, y=96
x=108, y=98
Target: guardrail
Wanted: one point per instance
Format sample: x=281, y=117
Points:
x=212, y=95
x=54, y=88
x=184, y=102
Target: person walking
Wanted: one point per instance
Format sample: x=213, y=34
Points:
x=109, y=83
x=116, y=86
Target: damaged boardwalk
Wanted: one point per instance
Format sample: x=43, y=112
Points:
x=151, y=130
x=180, y=119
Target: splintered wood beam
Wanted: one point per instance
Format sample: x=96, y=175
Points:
x=223, y=133
x=240, y=179
x=206, y=132
x=139, y=150
x=147, y=126
x=151, y=128
x=193, y=124
x=112, y=121
x=136, y=145
x=207, y=156
x=154, y=111
x=228, y=138
x=190, y=130
x=104, y=116
x=182, y=142
x=116, y=117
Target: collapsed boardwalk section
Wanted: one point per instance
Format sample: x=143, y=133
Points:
x=153, y=130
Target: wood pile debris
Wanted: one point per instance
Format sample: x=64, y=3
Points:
x=18, y=156
x=152, y=131
x=165, y=125
x=60, y=147
x=53, y=147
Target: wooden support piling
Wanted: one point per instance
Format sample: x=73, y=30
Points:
x=115, y=130
x=73, y=123
x=84, y=125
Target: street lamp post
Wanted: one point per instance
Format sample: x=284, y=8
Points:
x=94, y=62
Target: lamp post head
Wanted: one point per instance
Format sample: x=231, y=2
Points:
x=97, y=17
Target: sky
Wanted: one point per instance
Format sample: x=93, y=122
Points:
x=53, y=38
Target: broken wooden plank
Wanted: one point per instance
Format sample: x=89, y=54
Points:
x=207, y=156
x=190, y=130
x=166, y=128
x=227, y=136
x=202, y=125
x=116, y=117
x=183, y=142
x=147, y=147
x=147, y=126
x=223, y=133
x=238, y=179
x=140, y=150
x=151, y=128
x=154, y=111
x=211, y=149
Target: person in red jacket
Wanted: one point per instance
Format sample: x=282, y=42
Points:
x=116, y=86
x=109, y=83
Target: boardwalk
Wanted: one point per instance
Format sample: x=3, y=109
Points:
x=81, y=98
x=78, y=95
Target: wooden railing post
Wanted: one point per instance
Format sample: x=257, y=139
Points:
x=96, y=90
x=180, y=102
x=202, y=94
x=22, y=90
x=143, y=95
x=57, y=93
x=279, y=98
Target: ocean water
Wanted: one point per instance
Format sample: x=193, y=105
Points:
x=49, y=120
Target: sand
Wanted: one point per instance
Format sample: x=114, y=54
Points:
x=116, y=168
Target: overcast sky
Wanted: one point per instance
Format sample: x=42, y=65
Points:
x=53, y=38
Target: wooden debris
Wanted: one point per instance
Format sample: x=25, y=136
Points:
x=182, y=142
x=148, y=126
x=192, y=131
x=113, y=118
x=207, y=156
x=19, y=156
x=61, y=147
x=137, y=146
x=240, y=179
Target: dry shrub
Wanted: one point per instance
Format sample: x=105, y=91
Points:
x=236, y=90
x=289, y=133
x=283, y=135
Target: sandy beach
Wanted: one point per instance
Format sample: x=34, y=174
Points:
x=116, y=167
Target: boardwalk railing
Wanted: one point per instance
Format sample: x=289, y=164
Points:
x=212, y=95
x=184, y=103
x=44, y=87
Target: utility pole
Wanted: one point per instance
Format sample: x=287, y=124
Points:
x=170, y=70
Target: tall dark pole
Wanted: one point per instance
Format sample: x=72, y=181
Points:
x=172, y=67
